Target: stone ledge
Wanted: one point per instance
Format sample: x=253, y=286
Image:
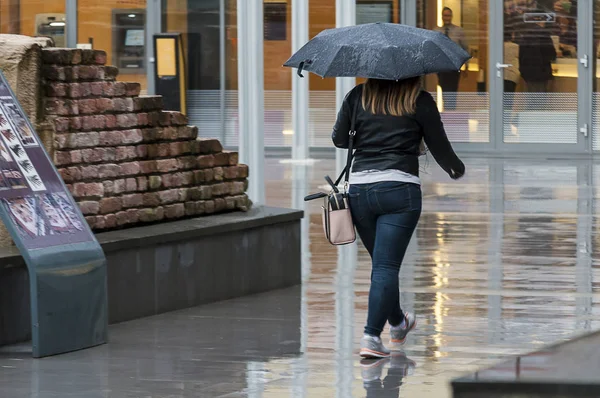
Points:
x=176, y=231
x=171, y=266
x=567, y=369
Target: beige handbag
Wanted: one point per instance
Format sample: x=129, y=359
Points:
x=337, y=218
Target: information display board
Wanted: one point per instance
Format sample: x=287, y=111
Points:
x=48, y=228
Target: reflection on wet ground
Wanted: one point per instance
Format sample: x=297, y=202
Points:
x=503, y=262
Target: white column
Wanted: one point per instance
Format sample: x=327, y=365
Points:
x=299, y=85
x=251, y=94
x=153, y=26
x=345, y=15
x=71, y=20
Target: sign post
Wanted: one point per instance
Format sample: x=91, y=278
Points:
x=66, y=265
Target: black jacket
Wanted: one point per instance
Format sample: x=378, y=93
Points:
x=385, y=142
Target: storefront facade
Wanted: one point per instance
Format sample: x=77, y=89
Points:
x=494, y=104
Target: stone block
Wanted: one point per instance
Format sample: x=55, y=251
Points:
x=186, y=162
x=148, y=103
x=61, y=56
x=142, y=183
x=243, y=171
x=230, y=203
x=231, y=173
x=220, y=205
x=56, y=90
x=151, y=215
x=234, y=158
x=151, y=199
x=220, y=189
x=88, y=106
x=133, y=215
x=110, y=220
x=209, y=146
x=237, y=187
x=205, y=161
x=104, y=105
x=154, y=182
x=89, y=172
x=187, y=132
x=148, y=167
x=209, y=207
x=122, y=218
x=61, y=107
x=62, y=124
x=111, y=205
x=130, y=169
x=169, y=196
x=89, y=207
x=133, y=200
x=166, y=165
x=98, y=89
x=132, y=89
x=108, y=171
x=218, y=173
x=127, y=120
x=92, y=190
x=141, y=151
x=190, y=208
x=123, y=105
x=111, y=138
x=175, y=211
x=126, y=153
x=70, y=174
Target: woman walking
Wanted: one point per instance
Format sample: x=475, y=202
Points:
x=393, y=119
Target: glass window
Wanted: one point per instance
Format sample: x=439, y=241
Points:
x=119, y=28
x=275, y=25
x=34, y=18
x=209, y=71
x=463, y=97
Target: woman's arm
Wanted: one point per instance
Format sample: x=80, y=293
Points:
x=341, y=129
x=429, y=118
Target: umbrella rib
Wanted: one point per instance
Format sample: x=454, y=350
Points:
x=326, y=71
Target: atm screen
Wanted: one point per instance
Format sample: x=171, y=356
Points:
x=134, y=38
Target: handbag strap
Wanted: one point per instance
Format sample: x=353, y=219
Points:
x=345, y=174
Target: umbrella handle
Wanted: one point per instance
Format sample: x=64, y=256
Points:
x=301, y=66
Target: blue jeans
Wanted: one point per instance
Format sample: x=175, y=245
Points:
x=385, y=215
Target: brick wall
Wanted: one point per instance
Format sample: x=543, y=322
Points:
x=126, y=160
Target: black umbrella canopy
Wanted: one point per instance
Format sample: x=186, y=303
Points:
x=380, y=51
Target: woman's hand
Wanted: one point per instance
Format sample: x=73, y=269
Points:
x=457, y=174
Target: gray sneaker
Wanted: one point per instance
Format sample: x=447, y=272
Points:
x=398, y=334
x=372, y=347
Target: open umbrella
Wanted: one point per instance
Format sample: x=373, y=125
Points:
x=380, y=51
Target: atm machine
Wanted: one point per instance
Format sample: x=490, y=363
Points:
x=53, y=26
x=129, y=40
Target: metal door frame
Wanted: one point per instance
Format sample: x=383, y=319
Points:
x=585, y=25
x=584, y=84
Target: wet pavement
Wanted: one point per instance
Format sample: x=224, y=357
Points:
x=504, y=262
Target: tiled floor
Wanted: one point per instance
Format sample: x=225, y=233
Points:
x=503, y=262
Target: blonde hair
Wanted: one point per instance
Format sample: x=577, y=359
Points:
x=389, y=97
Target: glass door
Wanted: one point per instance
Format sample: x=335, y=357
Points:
x=462, y=97
x=540, y=62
